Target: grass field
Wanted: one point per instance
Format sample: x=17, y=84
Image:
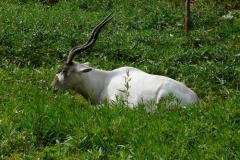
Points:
x=35, y=40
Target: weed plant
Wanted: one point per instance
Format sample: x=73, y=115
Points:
x=37, y=124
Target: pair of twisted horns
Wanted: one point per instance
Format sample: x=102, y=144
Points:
x=74, y=51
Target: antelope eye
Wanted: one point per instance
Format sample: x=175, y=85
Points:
x=64, y=72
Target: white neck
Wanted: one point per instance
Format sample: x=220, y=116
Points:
x=93, y=83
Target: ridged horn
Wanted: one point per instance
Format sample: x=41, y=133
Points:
x=74, y=51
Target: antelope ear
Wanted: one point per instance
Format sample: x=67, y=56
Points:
x=83, y=68
x=86, y=64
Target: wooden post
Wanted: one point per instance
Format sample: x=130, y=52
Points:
x=187, y=17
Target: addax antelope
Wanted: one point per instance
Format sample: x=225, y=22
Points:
x=99, y=85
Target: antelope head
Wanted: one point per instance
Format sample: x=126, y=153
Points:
x=68, y=74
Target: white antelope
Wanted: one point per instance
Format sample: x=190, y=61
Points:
x=128, y=83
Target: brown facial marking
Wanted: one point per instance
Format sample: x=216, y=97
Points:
x=64, y=67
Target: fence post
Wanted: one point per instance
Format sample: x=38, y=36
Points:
x=187, y=17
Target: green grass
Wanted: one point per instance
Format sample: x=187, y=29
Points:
x=35, y=39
